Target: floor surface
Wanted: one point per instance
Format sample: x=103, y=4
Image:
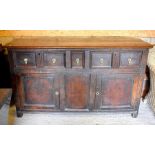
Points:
x=145, y=117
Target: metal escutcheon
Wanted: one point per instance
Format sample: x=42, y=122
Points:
x=53, y=60
x=97, y=93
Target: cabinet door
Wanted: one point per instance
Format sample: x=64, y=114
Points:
x=77, y=91
x=42, y=91
x=119, y=91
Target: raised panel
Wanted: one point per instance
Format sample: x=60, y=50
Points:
x=77, y=91
x=116, y=92
x=113, y=92
x=41, y=91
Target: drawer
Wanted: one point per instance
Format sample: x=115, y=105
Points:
x=24, y=59
x=77, y=60
x=128, y=59
x=55, y=60
x=101, y=60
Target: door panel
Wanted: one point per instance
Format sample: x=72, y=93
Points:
x=42, y=91
x=77, y=91
x=38, y=91
x=115, y=91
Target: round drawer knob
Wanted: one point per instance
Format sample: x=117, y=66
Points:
x=25, y=60
x=54, y=60
x=101, y=60
x=77, y=60
x=97, y=93
x=56, y=93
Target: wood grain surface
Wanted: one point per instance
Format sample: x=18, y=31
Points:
x=78, y=42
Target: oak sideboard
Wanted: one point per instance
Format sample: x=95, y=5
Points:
x=78, y=74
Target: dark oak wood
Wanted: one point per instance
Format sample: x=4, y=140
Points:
x=101, y=59
x=78, y=74
x=77, y=59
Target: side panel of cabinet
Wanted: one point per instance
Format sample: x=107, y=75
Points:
x=77, y=90
x=41, y=92
x=119, y=91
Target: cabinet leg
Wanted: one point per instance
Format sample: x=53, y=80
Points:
x=134, y=114
x=19, y=113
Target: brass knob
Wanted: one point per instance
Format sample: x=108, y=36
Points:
x=97, y=93
x=77, y=60
x=129, y=60
x=25, y=60
x=56, y=93
x=101, y=60
x=54, y=60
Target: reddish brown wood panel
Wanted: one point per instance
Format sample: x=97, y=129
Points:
x=116, y=92
x=77, y=91
x=38, y=90
x=137, y=90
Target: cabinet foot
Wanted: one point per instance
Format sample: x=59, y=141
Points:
x=19, y=113
x=134, y=114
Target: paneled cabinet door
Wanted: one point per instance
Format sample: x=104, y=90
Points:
x=42, y=91
x=77, y=90
x=117, y=92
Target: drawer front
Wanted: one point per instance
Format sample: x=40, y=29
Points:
x=25, y=59
x=56, y=60
x=77, y=60
x=101, y=60
x=130, y=59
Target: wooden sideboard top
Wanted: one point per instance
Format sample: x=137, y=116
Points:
x=78, y=42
